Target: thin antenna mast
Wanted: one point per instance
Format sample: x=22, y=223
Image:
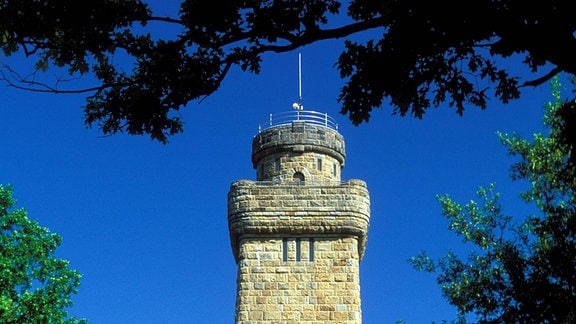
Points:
x=298, y=105
x=300, y=79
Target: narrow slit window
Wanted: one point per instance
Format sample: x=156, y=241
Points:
x=277, y=165
x=334, y=169
x=311, y=249
x=285, y=250
x=319, y=163
x=298, y=250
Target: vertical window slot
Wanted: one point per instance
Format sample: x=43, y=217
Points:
x=298, y=250
x=285, y=249
x=311, y=249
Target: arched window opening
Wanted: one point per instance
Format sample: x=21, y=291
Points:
x=298, y=177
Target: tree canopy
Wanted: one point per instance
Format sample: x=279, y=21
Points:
x=522, y=269
x=35, y=286
x=421, y=53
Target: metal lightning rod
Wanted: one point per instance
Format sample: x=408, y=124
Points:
x=300, y=79
x=298, y=105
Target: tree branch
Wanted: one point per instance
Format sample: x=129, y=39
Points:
x=165, y=19
x=306, y=38
x=322, y=34
x=35, y=86
x=542, y=79
x=219, y=80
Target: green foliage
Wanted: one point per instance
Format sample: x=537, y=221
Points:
x=35, y=287
x=421, y=53
x=518, y=272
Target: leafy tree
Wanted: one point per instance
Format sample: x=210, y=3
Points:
x=35, y=287
x=518, y=272
x=420, y=55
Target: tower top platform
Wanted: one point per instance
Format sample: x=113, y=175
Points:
x=299, y=145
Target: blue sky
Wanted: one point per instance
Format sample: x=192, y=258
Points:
x=146, y=225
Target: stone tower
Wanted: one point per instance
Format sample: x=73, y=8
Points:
x=298, y=232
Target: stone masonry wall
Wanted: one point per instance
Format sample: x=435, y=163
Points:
x=267, y=219
x=282, y=166
x=298, y=234
x=298, y=147
x=325, y=290
x=291, y=209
